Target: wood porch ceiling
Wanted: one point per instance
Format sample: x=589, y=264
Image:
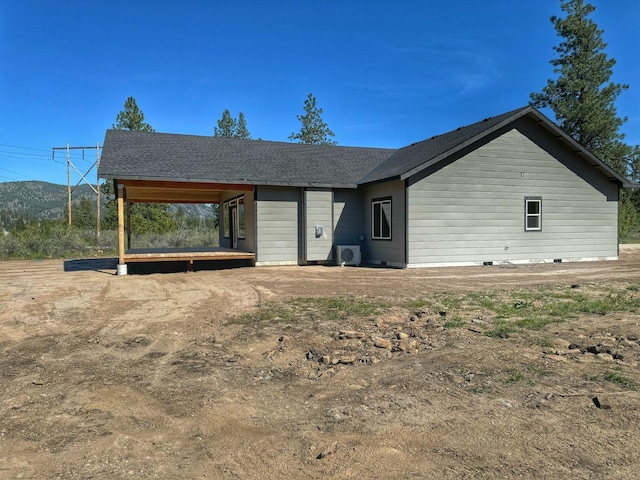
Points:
x=149, y=191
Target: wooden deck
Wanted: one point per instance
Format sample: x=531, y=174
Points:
x=190, y=255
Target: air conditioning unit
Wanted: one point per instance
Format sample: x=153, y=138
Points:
x=348, y=255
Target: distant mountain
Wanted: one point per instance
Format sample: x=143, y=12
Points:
x=34, y=199
x=43, y=200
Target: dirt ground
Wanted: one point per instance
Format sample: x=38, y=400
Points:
x=150, y=376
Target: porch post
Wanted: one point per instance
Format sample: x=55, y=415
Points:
x=122, y=267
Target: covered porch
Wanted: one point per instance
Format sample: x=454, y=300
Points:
x=129, y=192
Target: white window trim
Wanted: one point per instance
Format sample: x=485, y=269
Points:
x=528, y=215
x=226, y=208
x=242, y=234
x=380, y=201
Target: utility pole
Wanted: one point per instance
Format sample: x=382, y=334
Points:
x=68, y=185
x=98, y=188
x=70, y=164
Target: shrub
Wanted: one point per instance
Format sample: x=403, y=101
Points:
x=56, y=239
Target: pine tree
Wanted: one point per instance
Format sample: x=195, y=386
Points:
x=226, y=126
x=313, y=130
x=145, y=217
x=132, y=118
x=583, y=97
x=83, y=214
x=583, y=100
x=241, y=128
x=229, y=127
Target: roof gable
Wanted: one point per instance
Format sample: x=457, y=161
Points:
x=422, y=154
x=416, y=157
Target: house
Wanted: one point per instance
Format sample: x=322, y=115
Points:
x=511, y=188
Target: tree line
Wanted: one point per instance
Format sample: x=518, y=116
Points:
x=313, y=130
x=157, y=218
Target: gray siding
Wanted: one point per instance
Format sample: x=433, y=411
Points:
x=276, y=215
x=391, y=252
x=348, y=217
x=318, y=211
x=472, y=210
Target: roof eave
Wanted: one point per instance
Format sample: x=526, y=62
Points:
x=466, y=143
x=540, y=119
x=230, y=181
x=579, y=149
x=379, y=180
x=152, y=178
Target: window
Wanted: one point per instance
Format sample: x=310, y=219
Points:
x=533, y=213
x=381, y=219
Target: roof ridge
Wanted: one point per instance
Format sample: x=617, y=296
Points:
x=115, y=131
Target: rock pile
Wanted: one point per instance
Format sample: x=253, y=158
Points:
x=385, y=338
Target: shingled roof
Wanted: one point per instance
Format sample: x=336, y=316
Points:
x=189, y=158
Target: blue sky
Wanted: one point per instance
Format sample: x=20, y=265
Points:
x=386, y=74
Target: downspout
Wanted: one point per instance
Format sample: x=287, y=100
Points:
x=255, y=223
x=406, y=223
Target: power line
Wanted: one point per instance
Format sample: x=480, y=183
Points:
x=31, y=159
x=9, y=178
x=76, y=155
x=25, y=148
x=15, y=159
x=40, y=157
x=25, y=154
x=20, y=155
x=15, y=173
